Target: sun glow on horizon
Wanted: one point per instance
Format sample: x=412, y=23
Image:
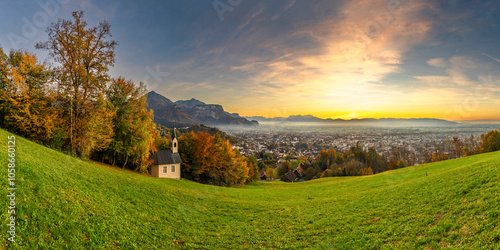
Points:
x=449, y=115
x=334, y=67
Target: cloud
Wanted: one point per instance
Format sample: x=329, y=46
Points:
x=344, y=59
x=457, y=70
x=355, y=51
x=437, y=62
x=284, y=10
x=492, y=58
x=243, y=25
x=290, y=5
x=467, y=90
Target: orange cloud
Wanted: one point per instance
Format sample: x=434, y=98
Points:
x=345, y=71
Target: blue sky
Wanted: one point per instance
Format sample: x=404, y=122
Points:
x=338, y=59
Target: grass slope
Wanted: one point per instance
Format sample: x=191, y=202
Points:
x=67, y=203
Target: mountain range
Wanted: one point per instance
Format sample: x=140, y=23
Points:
x=383, y=122
x=191, y=112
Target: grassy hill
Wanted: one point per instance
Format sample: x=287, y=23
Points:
x=63, y=202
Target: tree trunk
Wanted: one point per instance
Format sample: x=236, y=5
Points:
x=126, y=159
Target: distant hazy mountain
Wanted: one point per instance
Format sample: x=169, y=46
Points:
x=189, y=104
x=211, y=114
x=235, y=115
x=386, y=122
x=165, y=111
x=191, y=112
x=303, y=118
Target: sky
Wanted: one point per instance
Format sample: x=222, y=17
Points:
x=330, y=59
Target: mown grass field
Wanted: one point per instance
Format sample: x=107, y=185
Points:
x=63, y=202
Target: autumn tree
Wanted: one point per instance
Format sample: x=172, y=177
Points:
x=83, y=56
x=491, y=141
x=326, y=158
x=194, y=149
x=284, y=168
x=134, y=130
x=26, y=105
x=377, y=162
x=458, y=147
x=327, y=173
x=471, y=147
x=228, y=167
x=366, y=171
x=271, y=173
x=310, y=173
x=334, y=167
x=262, y=166
x=353, y=168
x=358, y=153
x=253, y=169
x=439, y=156
x=210, y=159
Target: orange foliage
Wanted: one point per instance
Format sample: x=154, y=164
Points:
x=209, y=159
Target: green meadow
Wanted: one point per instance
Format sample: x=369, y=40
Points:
x=66, y=203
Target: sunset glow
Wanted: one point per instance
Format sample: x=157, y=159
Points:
x=331, y=59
